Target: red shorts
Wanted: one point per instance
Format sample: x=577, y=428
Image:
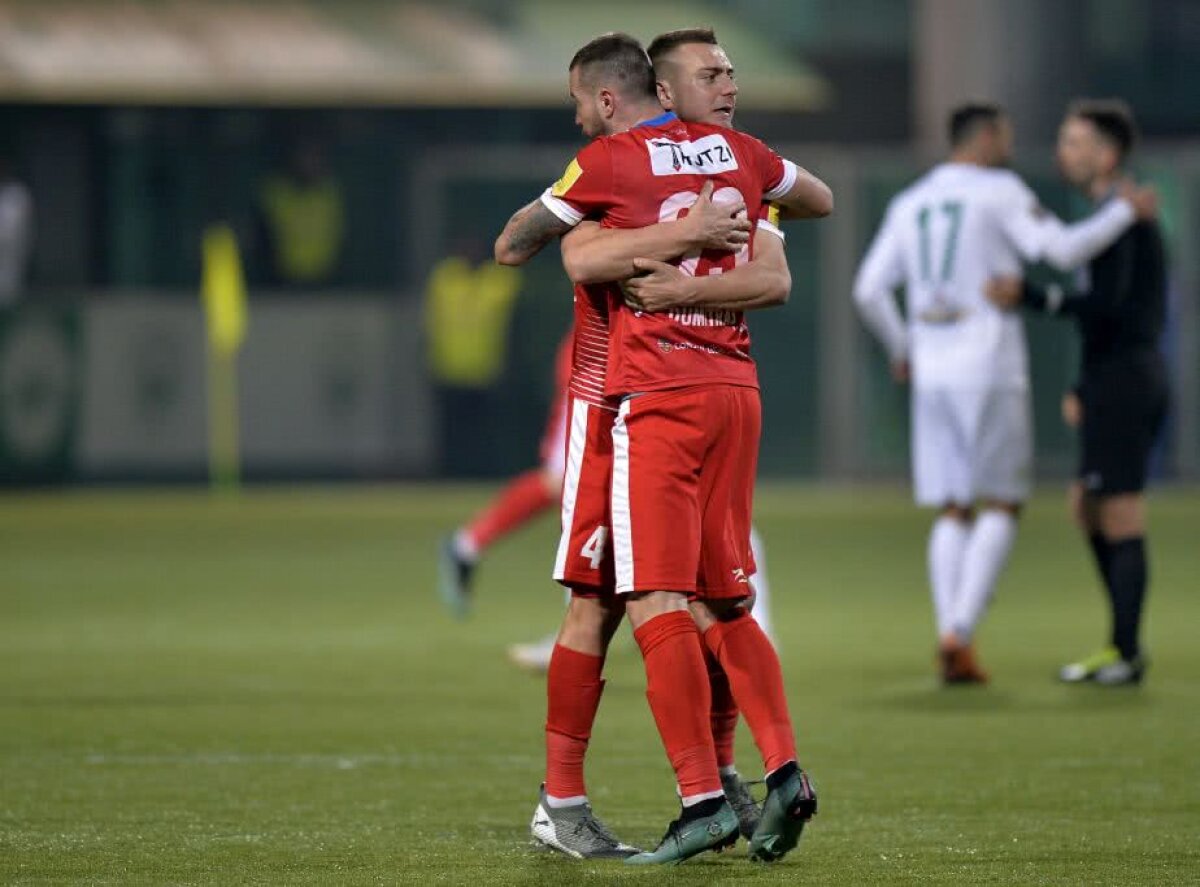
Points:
x=684, y=463
x=585, y=561
x=553, y=449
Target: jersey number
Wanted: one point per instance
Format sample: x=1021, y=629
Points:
x=953, y=210
x=593, y=549
x=675, y=206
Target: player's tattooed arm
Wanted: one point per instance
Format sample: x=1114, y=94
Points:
x=762, y=283
x=592, y=254
x=527, y=232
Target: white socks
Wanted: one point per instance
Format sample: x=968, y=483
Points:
x=465, y=547
x=947, y=546
x=762, y=588
x=691, y=800
x=559, y=803
x=987, y=552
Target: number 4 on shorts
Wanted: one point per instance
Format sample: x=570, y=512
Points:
x=593, y=549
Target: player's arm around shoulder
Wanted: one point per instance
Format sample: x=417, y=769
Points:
x=527, y=232
x=1039, y=235
x=807, y=198
x=797, y=192
x=584, y=189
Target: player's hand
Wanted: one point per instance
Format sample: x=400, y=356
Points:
x=1075, y=507
x=1004, y=292
x=1143, y=198
x=657, y=286
x=1072, y=409
x=721, y=225
x=901, y=371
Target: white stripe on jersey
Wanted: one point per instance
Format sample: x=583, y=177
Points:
x=589, y=365
x=622, y=525
x=561, y=208
x=764, y=225
x=790, y=173
x=570, y=493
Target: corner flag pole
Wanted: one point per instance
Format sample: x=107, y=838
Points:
x=223, y=293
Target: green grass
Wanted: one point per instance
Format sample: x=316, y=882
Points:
x=264, y=691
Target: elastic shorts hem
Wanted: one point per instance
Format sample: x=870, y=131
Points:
x=695, y=593
x=587, y=589
x=927, y=501
x=647, y=587
x=1122, y=487
x=733, y=592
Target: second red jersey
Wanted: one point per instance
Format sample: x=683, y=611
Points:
x=649, y=174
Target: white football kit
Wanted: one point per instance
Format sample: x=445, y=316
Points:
x=943, y=238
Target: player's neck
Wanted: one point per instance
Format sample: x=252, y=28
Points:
x=1101, y=186
x=635, y=114
x=969, y=157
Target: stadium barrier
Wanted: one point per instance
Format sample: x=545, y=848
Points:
x=114, y=388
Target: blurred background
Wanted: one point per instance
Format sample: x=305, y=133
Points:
x=365, y=154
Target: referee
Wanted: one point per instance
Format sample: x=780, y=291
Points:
x=1120, y=310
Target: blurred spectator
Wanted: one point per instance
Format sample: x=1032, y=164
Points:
x=468, y=305
x=16, y=234
x=302, y=220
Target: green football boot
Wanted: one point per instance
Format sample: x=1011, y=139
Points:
x=1087, y=668
x=684, y=840
x=788, y=807
x=1106, y=668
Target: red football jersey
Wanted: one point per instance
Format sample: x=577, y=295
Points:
x=649, y=174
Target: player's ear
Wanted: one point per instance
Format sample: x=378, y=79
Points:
x=607, y=103
x=664, y=95
x=1111, y=157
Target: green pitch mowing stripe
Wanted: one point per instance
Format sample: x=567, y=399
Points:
x=265, y=691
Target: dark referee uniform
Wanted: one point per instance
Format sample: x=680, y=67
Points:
x=1123, y=378
x=1123, y=389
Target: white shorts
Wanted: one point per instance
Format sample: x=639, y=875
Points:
x=970, y=445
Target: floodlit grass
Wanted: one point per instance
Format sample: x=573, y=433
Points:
x=265, y=691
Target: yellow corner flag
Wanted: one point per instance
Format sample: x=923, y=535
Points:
x=223, y=294
x=223, y=290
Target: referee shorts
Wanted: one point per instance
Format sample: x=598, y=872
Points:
x=1124, y=409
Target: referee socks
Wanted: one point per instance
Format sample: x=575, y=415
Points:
x=1127, y=579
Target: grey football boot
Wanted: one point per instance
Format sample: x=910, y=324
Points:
x=454, y=579
x=737, y=792
x=576, y=831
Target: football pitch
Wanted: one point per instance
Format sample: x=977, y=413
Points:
x=197, y=690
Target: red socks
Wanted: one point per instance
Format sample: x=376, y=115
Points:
x=724, y=716
x=523, y=498
x=573, y=688
x=678, y=692
x=752, y=666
